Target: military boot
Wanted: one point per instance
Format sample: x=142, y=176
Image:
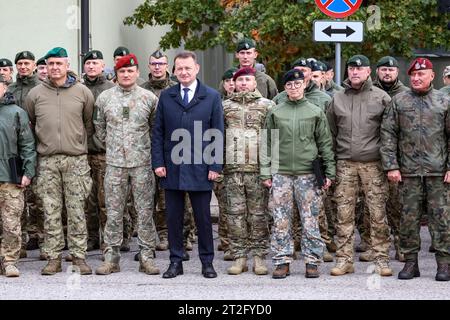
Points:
x=362, y=247
x=342, y=267
x=332, y=247
x=312, y=271
x=11, y=271
x=23, y=253
x=228, y=256
x=163, y=245
x=148, y=267
x=107, y=268
x=53, y=266
x=81, y=264
x=443, y=273
x=382, y=268
x=281, y=271
x=239, y=266
x=410, y=269
x=259, y=266
x=327, y=257
x=367, y=256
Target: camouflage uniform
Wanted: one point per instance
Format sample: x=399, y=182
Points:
x=355, y=118
x=244, y=114
x=220, y=192
x=445, y=90
x=123, y=121
x=415, y=134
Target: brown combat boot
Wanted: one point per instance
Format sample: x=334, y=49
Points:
x=312, y=271
x=342, y=267
x=281, y=271
x=259, y=266
x=148, y=267
x=107, y=268
x=81, y=264
x=239, y=266
x=53, y=266
x=382, y=268
x=367, y=256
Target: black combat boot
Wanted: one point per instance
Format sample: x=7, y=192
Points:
x=443, y=272
x=410, y=270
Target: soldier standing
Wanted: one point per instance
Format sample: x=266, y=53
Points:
x=41, y=69
x=415, y=137
x=60, y=110
x=16, y=141
x=303, y=135
x=355, y=118
x=6, y=70
x=247, y=220
x=123, y=121
x=446, y=79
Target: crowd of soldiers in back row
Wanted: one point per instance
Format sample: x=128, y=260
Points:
x=244, y=220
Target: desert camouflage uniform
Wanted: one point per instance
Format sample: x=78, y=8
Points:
x=123, y=121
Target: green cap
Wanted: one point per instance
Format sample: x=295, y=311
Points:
x=41, y=61
x=5, y=63
x=359, y=61
x=92, y=55
x=301, y=62
x=57, y=52
x=387, y=62
x=229, y=73
x=24, y=55
x=318, y=66
x=245, y=44
x=121, y=51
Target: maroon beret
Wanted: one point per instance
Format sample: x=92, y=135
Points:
x=246, y=71
x=129, y=60
x=420, y=64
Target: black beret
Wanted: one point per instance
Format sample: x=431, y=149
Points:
x=41, y=61
x=5, y=63
x=92, y=55
x=387, y=62
x=121, y=51
x=292, y=75
x=24, y=55
x=301, y=62
x=318, y=66
x=245, y=44
x=359, y=61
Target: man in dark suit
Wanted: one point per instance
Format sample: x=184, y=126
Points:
x=187, y=154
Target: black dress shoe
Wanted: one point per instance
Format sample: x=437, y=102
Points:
x=186, y=256
x=208, y=270
x=175, y=269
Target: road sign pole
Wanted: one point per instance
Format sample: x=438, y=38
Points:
x=337, y=67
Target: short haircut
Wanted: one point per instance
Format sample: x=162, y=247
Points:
x=185, y=55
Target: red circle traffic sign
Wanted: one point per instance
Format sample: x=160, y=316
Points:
x=338, y=8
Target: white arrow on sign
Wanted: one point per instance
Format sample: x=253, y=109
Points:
x=338, y=31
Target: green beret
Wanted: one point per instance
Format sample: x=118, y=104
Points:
x=359, y=61
x=57, y=52
x=5, y=63
x=92, y=55
x=387, y=62
x=245, y=44
x=229, y=73
x=121, y=51
x=24, y=55
x=301, y=62
x=41, y=61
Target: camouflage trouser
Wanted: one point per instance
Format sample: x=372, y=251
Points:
x=246, y=215
x=393, y=212
x=303, y=189
x=96, y=210
x=330, y=212
x=362, y=217
x=35, y=221
x=219, y=191
x=11, y=208
x=375, y=189
x=130, y=218
x=435, y=192
x=64, y=177
x=117, y=182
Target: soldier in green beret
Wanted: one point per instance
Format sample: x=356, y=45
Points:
x=6, y=70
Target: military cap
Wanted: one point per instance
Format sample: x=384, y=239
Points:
x=387, y=62
x=92, y=55
x=446, y=72
x=157, y=54
x=420, y=64
x=5, y=63
x=246, y=71
x=301, y=62
x=245, y=44
x=292, y=75
x=129, y=60
x=318, y=66
x=121, y=51
x=229, y=73
x=57, y=52
x=2, y=80
x=358, y=61
x=41, y=61
x=329, y=66
x=24, y=55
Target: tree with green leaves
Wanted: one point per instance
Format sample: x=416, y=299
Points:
x=283, y=28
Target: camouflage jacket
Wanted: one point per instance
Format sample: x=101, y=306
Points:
x=395, y=89
x=245, y=114
x=312, y=94
x=415, y=134
x=123, y=120
x=156, y=85
x=445, y=90
x=21, y=87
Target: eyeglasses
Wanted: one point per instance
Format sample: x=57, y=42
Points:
x=294, y=84
x=158, y=64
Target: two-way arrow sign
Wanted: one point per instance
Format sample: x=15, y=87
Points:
x=338, y=31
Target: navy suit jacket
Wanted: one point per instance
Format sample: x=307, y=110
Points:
x=205, y=110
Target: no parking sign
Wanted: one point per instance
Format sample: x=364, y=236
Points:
x=338, y=8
